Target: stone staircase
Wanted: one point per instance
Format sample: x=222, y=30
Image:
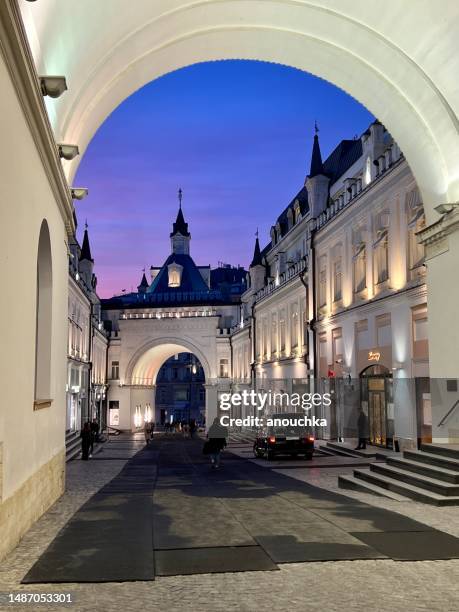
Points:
x=429, y=475
x=346, y=450
x=72, y=445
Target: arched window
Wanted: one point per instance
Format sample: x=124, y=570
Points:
x=43, y=319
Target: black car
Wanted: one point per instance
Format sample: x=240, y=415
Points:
x=284, y=438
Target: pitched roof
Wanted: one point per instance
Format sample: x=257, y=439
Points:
x=191, y=280
x=85, y=249
x=256, y=260
x=143, y=282
x=180, y=227
x=316, y=159
x=342, y=158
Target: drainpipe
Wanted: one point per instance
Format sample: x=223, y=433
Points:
x=253, y=337
x=314, y=304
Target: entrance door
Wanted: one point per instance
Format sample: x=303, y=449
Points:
x=377, y=416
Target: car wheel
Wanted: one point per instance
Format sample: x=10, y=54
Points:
x=269, y=455
x=294, y=455
x=308, y=456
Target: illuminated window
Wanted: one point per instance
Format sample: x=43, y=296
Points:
x=224, y=368
x=175, y=275
x=337, y=281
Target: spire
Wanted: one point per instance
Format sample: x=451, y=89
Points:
x=316, y=157
x=85, y=249
x=256, y=260
x=180, y=227
x=143, y=283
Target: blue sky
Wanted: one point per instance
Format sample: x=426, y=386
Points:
x=236, y=136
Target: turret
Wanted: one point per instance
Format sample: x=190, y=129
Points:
x=257, y=269
x=86, y=263
x=142, y=288
x=180, y=236
x=317, y=182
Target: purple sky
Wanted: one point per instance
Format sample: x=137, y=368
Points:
x=236, y=136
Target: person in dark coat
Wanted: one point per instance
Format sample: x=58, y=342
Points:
x=94, y=433
x=216, y=435
x=362, y=428
x=86, y=438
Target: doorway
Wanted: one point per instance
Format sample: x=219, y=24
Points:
x=376, y=401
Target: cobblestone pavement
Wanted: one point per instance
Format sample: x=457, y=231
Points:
x=370, y=585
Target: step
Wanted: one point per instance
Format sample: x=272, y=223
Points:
x=416, y=493
x=337, y=451
x=418, y=480
x=72, y=453
x=438, y=449
x=355, y=484
x=367, y=453
x=433, y=459
x=328, y=451
x=424, y=468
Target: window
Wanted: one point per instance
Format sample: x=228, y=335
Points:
x=381, y=256
x=175, y=275
x=383, y=330
x=294, y=328
x=416, y=222
x=322, y=282
x=337, y=337
x=282, y=332
x=115, y=370
x=43, y=329
x=360, y=263
x=337, y=281
x=368, y=171
x=274, y=334
x=224, y=368
x=420, y=332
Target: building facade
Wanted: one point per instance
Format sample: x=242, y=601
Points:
x=184, y=308
x=87, y=341
x=337, y=298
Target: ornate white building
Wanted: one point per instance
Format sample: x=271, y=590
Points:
x=185, y=308
x=87, y=342
x=338, y=295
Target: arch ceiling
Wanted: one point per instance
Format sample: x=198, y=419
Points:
x=146, y=363
x=399, y=59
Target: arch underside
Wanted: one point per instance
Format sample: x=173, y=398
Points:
x=147, y=361
x=396, y=60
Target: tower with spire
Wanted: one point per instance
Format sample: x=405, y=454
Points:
x=257, y=269
x=86, y=263
x=317, y=182
x=180, y=236
x=142, y=288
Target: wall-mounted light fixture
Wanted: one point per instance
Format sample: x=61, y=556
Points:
x=53, y=86
x=79, y=193
x=68, y=151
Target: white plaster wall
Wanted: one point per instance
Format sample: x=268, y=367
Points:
x=30, y=439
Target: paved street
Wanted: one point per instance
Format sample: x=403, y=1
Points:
x=196, y=508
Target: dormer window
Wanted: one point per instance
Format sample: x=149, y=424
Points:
x=175, y=275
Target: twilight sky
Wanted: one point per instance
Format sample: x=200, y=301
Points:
x=236, y=136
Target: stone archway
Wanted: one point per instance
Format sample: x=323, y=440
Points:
x=387, y=59
x=139, y=383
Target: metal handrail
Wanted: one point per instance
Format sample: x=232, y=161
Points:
x=450, y=411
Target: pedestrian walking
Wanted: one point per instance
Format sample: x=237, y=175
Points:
x=86, y=437
x=216, y=442
x=147, y=432
x=362, y=428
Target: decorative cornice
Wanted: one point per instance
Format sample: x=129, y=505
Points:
x=19, y=62
x=434, y=237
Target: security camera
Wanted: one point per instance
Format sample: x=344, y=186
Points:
x=79, y=193
x=68, y=151
x=53, y=86
x=443, y=209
